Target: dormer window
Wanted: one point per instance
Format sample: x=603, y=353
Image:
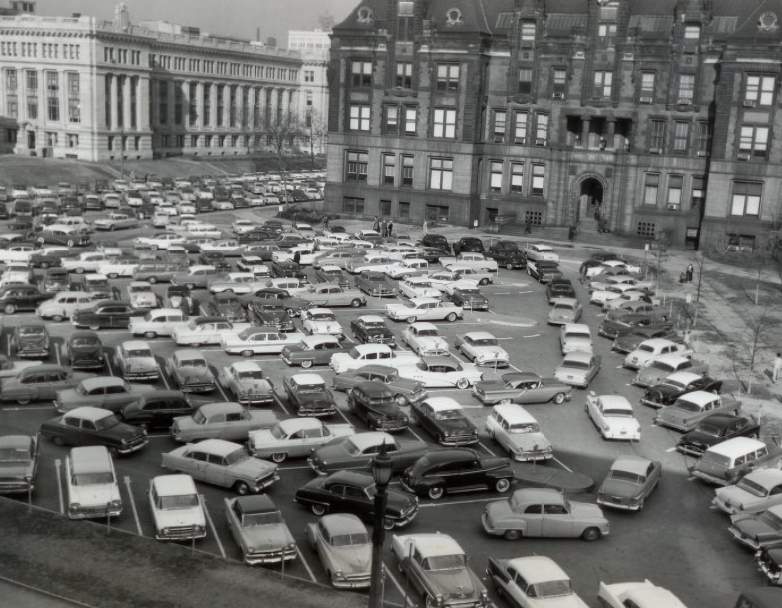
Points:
x=606, y=30
x=528, y=31
x=692, y=31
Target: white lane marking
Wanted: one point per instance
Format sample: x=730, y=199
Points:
x=57, y=465
x=345, y=418
x=163, y=377
x=562, y=464
x=399, y=587
x=480, y=443
x=25, y=408
x=529, y=291
x=296, y=468
x=57, y=354
x=306, y=565
x=669, y=450
x=532, y=336
x=279, y=402
x=416, y=435
x=502, y=293
x=107, y=357
x=133, y=506
x=63, y=598
x=457, y=502
x=219, y=386
x=212, y=526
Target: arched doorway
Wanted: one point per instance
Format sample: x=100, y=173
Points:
x=590, y=200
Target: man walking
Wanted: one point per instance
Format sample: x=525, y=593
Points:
x=376, y=225
x=389, y=228
x=777, y=371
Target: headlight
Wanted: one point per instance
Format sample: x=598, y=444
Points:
x=74, y=506
x=165, y=531
x=115, y=503
x=339, y=574
x=124, y=442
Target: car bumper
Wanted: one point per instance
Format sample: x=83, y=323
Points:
x=199, y=387
x=316, y=412
x=488, y=528
x=690, y=450
x=250, y=400
x=723, y=506
x=182, y=533
x=533, y=455
x=135, y=447
x=33, y=352
x=744, y=540
x=351, y=582
x=709, y=478
x=144, y=376
x=270, y=557
x=458, y=440
x=618, y=503
x=94, y=512
x=774, y=576
x=16, y=487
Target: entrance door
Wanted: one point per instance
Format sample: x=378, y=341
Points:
x=31, y=140
x=590, y=200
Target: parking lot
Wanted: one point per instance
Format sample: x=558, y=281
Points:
x=676, y=541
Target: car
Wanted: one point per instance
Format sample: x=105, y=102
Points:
x=374, y=283
x=240, y=283
x=228, y=306
x=575, y=337
x=222, y=463
x=64, y=235
x=321, y=321
x=405, y=391
x=448, y=281
x=259, y=530
x=247, y=383
x=257, y=340
x=424, y=339
x=424, y=309
x=286, y=268
x=311, y=350
x=507, y=254
x=200, y=331
x=760, y=530
x=29, y=339
x=354, y=493
x=728, y=461
x=156, y=272
x=115, y=221
x=92, y=282
x=105, y=314
x=539, y=251
x=196, y=276
x=343, y=546
x=105, y=392
x=38, y=383
x=564, y=311
x=543, y=512
x=372, y=329
x=482, y=348
x=276, y=297
x=177, y=508
x=45, y=259
x=559, y=288
x=54, y=280
x=543, y=271
x=691, y=408
x=160, y=240
x=91, y=487
x=227, y=247
x=769, y=562
x=156, y=410
x=578, y=369
x=522, y=387
x=330, y=294
x=375, y=404
x=445, y=420
x=469, y=298
x=637, y=594
x=517, y=431
x=757, y=491
x=20, y=298
x=242, y=226
x=141, y=296
x=269, y=313
x=189, y=370
x=467, y=243
x=436, y=566
x=663, y=366
x=308, y=395
x=629, y=483
x=87, y=425
x=534, y=581
x=294, y=438
x=135, y=361
x=715, y=428
x=649, y=350
x=83, y=350
x=418, y=287
x=156, y=322
x=432, y=239
x=357, y=452
x=442, y=372
x=676, y=385
x=363, y=354
x=329, y=273
x=18, y=463
x=613, y=417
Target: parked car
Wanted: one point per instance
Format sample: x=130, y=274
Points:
x=20, y=298
x=189, y=370
x=247, y=383
x=468, y=243
x=769, y=562
x=629, y=483
x=228, y=306
x=105, y=392
x=259, y=530
x=543, y=271
x=353, y=492
x=665, y=365
x=405, y=391
x=177, y=510
x=364, y=354
x=442, y=372
x=222, y=463
x=308, y=395
x=135, y=361
x=29, y=339
x=372, y=329
x=444, y=419
x=728, y=461
x=620, y=595
x=105, y=314
x=91, y=487
x=517, y=431
x=543, y=512
x=676, y=385
x=649, y=350
x=424, y=339
x=294, y=438
x=757, y=491
x=375, y=404
x=374, y=283
x=758, y=531
x=613, y=417
x=689, y=409
x=564, y=311
x=321, y=321
x=343, y=546
x=38, y=383
x=18, y=463
x=83, y=350
x=522, y=387
x=156, y=410
x=257, y=340
x=470, y=298
x=482, y=348
x=715, y=428
x=424, y=309
x=578, y=369
x=575, y=337
x=357, y=452
x=559, y=288
x=508, y=255
x=200, y=331
x=87, y=425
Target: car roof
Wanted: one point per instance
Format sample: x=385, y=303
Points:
x=565, y=300
x=578, y=355
x=316, y=339
x=220, y=407
x=351, y=477
x=330, y=268
x=671, y=358
x=425, y=300
x=537, y=495
x=173, y=485
x=440, y=404
x=373, y=388
x=441, y=359
x=342, y=523
x=372, y=348
x=538, y=569
x=576, y=327
x=87, y=412
x=322, y=311
x=90, y=458
x=700, y=398
x=435, y=544
x=615, y=402
x=371, y=319
x=766, y=477
x=308, y=379
x=631, y=464
x=737, y=445
x=480, y=335
x=246, y=366
x=290, y=425
x=513, y=412
x=684, y=377
x=423, y=325
x=658, y=342
x=513, y=376
x=256, y=503
x=218, y=447
x=98, y=381
x=135, y=344
x=369, y=438
x=189, y=353
x=15, y=441
x=42, y=367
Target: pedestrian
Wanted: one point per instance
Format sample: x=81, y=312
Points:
x=297, y=256
x=528, y=226
x=777, y=371
x=389, y=228
x=571, y=233
x=690, y=270
x=382, y=227
x=376, y=225
x=425, y=228
x=326, y=223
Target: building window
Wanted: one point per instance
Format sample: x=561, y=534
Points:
x=207, y=141
x=12, y=99
x=646, y=93
x=32, y=94
x=404, y=210
x=686, y=88
x=651, y=187
x=495, y=176
x=681, y=132
x=74, y=98
x=606, y=29
x=192, y=105
x=110, y=143
x=525, y=81
x=520, y=128
x=646, y=229
x=411, y=118
x=162, y=102
x=359, y=118
x=122, y=82
x=703, y=137
x=356, y=166
x=391, y=119
x=436, y=213
x=53, y=96
x=389, y=169
x=72, y=140
x=444, y=123
x=309, y=75
x=692, y=32
x=353, y=206
x=528, y=30
x=194, y=141
x=753, y=141
x=698, y=193
x=361, y=73
x=745, y=199
x=407, y=170
x=51, y=139
x=538, y=179
x=517, y=177
x=385, y=208
x=499, y=122
x=541, y=129
x=179, y=103
x=220, y=104
x=674, y=192
x=441, y=173
x=558, y=83
x=656, y=134
x=133, y=101
x=602, y=83
x=447, y=76
x=759, y=90
x=404, y=74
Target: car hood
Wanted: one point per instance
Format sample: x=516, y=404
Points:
x=335, y=451
x=529, y=441
x=457, y=425
x=353, y=559
x=736, y=496
x=252, y=468
x=141, y=363
x=191, y=373
x=16, y=470
x=93, y=495
x=619, y=488
x=316, y=399
x=168, y=518
x=454, y=584
x=267, y=537
x=255, y=386
x=86, y=349
x=490, y=352
x=752, y=527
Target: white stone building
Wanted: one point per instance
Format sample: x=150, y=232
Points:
x=313, y=45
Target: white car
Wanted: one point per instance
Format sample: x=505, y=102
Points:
x=177, y=512
x=418, y=287
x=258, y=341
x=613, y=417
x=243, y=226
x=204, y=330
x=366, y=354
x=757, y=491
x=424, y=339
x=118, y=268
x=87, y=261
x=306, y=254
x=409, y=267
x=442, y=372
x=294, y=438
x=226, y=247
x=612, y=265
x=158, y=241
x=141, y=295
x=424, y=309
x=64, y=304
x=157, y=322
x=649, y=350
x=135, y=361
x=91, y=483
x=240, y=283
x=447, y=281
x=539, y=251
x=575, y=337
x=516, y=430
x=470, y=273
x=321, y=321
x=534, y=581
x=601, y=297
x=482, y=348
x=637, y=595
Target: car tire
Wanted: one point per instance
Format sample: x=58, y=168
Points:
x=400, y=400
x=559, y=398
x=591, y=534
x=9, y=309
x=190, y=286
x=355, y=302
x=509, y=266
x=451, y=317
x=241, y=488
x=483, y=281
x=247, y=353
x=463, y=383
x=318, y=509
x=58, y=318
x=412, y=320
x=23, y=400
x=388, y=524
x=152, y=280
x=435, y=492
x=512, y=535
x=306, y=363
x=279, y=457
x=502, y=485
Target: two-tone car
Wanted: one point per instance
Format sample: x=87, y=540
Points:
x=534, y=581
x=442, y=372
x=308, y=395
x=757, y=491
x=248, y=384
x=365, y=354
x=294, y=438
x=156, y=322
x=689, y=409
x=405, y=391
x=321, y=321
x=424, y=309
x=678, y=384
x=259, y=530
x=190, y=372
x=257, y=341
x=482, y=348
x=714, y=429
x=445, y=420
x=91, y=487
x=221, y=420
x=613, y=417
x=651, y=349
x=424, y=339
x=372, y=329
x=200, y=331
x=522, y=387
x=629, y=483
x=357, y=452
x=87, y=425
x=762, y=530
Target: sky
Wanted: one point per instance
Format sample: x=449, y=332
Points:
x=238, y=18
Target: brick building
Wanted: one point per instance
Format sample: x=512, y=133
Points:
x=651, y=118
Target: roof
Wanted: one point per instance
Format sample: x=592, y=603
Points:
x=435, y=544
x=89, y=458
x=572, y=302
x=246, y=366
x=99, y=381
x=424, y=325
x=766, y=477
x=631, y=464
x=674, y=359
x=220, y=406
x=372, y=348
x=342, y=523
x=189, y=353
x=734, y=446
x=576, y=328
x=320, y=311
x=480, y=335
x=439, y=404
x=308, y=379
x=683, y=377
x=352, y=477
x=513, y=376
x=700, y=398
x=218, y=447
x=256, y=503
x=174, y=485
x=424, y=300
x=330, y=268
x=513, y=412
x=615, y=402
x=578, y=355
x=374, y=388
x=135, y=345
x=290, y=425
x=538, y=569
x=650, y=595
x=537, y=495
x=316, y=339
x=657, y=342
x=369, y=438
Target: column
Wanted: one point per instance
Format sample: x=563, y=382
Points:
x=113, y=103
x=200, y=119
x=610, y=133
x=274, y=105
x=585, y=132
x=212, y=119
x=295, y=94
x=260, y=104
x=227, y=106
x=128, y=82
x=285, y=103
x=171, y=102
x=142, y=103
x=154, y=104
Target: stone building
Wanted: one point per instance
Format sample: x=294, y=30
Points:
x=313, y=46
x=82, y=88
x=647, y=118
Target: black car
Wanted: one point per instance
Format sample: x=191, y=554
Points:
x=375, y=404
x=543, y=270
x=437, y=241
x=629, y=342
x=371, y=329
x=63, y=237
x=587, y=264
x=156, y=410
x=468, y=243
x=617, y=324
x=105, y=314
x=84, y=350
x=769, y=562
x=30, y=340
x=309, y=398
x=43, y=259
x=179, y=296
x=560, y=288
x=94, y=426
x=444, y=420
x=433, y=254
x=287, y=269
x=457, y=470
x=275, y=296
x=227, y=306
x=288, y=241
x=374, y=283
x=271, y=314
x=216, y=259
x=507, y=254
x=715, y=429
x=351, y=492
x=470, y=298
x=15, y=298
x=255, y=235
x=668, y=392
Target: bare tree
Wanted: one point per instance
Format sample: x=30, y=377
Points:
x=283, y=135
x=745, y=354
x=315, y=130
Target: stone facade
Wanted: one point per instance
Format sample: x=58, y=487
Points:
x=313, y=46
x=654, y=119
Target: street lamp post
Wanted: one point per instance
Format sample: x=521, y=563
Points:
x=381, y=471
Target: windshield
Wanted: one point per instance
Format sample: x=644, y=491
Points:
x=344, y=540
x=445, y=562
x=667, y=367
x=573, y=364
x=193, y=363
x=139, y=288
x=14, y=455
x=311, y=388
x=181, y=501
x=687, y=406
x=772, y=520
x=530, y=427
x=564, y=306
x=626, y=476
x=251, y=375
x=88, y=479
x=752, y=487
x=675, y=384
x=139, y=352
x=106, y=423
x=351, y=448
x=236, y=456
x=199, y=418
x=577, y=335
x=30, y=331
x=448, y=415
x=323, y=316
x=553, y=588
x=430, y=333
x=646, y=348
x=617, y=412
x=277, y=432
x=261, y=519
x=485, y=342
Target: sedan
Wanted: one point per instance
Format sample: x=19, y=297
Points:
x=445, y=420
x=38, y=383
x=482, y=348
x=534, y=581
x=190, y=371
x=312, y=350
x=578, y=369
x=714, y=429
x=94, y=426
x=630, y=481
x=522, y=387
x=564, y=310
x=405, y=391
x=758, y=530
x=259, y=530
x=342, y=543
x=294, y=438
x=613, y=417
x=442, y=372
x=757, y=491
x=18, y=463
x=222, y=420
x=358, y=451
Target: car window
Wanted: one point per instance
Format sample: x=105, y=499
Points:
x=554, y=510
x=88, y=425
x=114, y=390
x=215, y=459
x=74, y=422
x=233, y=417
x=533, y=509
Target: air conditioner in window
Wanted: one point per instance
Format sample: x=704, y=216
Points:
x=558, y=95
x=540, y=141
x=498, y=139
x=521, y=141
x=579, y=55
x=742, y=156
x=645, y=99
x=655, y=151
x=672, y=207
x=749, y=103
